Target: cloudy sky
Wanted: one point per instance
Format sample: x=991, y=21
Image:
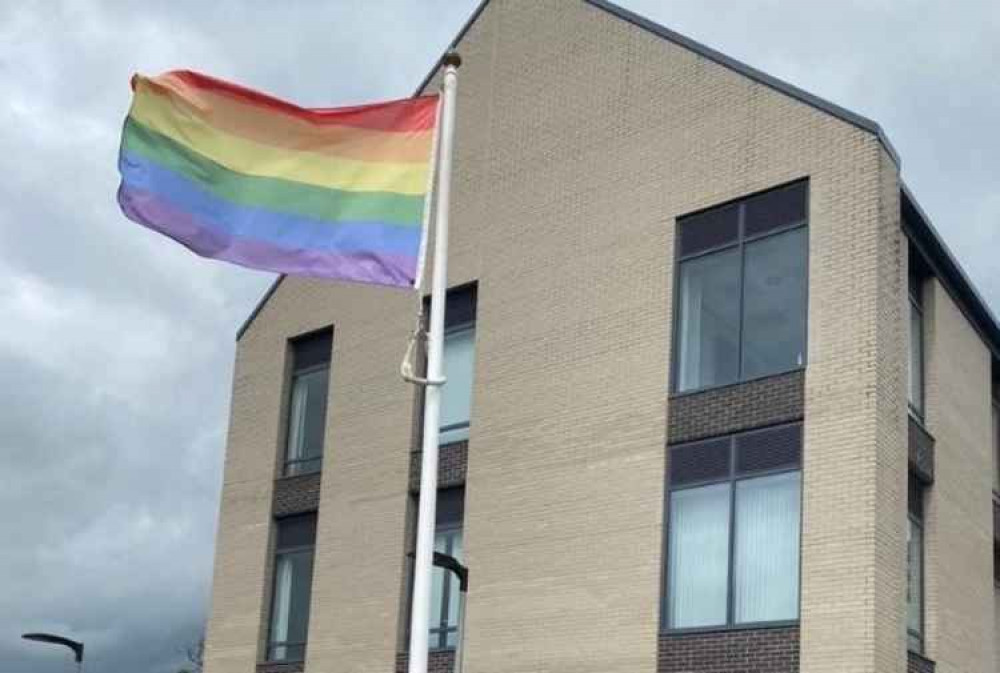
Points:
x=116, y=345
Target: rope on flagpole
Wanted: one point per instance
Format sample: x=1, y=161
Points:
x=419, y=335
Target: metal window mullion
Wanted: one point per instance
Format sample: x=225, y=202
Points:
x=741, y=230
x=445, y=595
x=730, y=607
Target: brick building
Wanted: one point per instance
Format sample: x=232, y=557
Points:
x=719, y=401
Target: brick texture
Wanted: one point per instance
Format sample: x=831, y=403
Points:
x=296, y=495
x=774, y=650
x=580, y=139
x=959, y=507
x=720, y=411
x=918, y=664
x=438, y=661
x=452, y=466
x=292, y=667
x=921, y=450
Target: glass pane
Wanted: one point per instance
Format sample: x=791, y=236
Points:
x=290, y=612
x=307, y=421
x=437, y=584
x=710, y=229
x=915, y=374
x=454, y=593
x=775, y=209
x=296, y=531
x=766, y=555
x=774, y=312
x=456, y=394
x=914, y=579
x=709, y=320
x=698, y=558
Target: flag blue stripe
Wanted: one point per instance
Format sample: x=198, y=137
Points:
x=284, y=230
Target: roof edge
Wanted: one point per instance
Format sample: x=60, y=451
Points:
x=423, y=83
x=921, y=232
x=842, y=113
x=859, y=121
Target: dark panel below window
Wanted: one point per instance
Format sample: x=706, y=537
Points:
x=296, y=495
x=731, y=409
x=772, y=650
x=918, y=664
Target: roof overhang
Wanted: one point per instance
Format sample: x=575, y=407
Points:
x=925, y=238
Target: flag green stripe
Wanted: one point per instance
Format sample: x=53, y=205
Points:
x=272, y=193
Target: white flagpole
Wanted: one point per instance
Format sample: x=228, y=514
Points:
x=423, y=565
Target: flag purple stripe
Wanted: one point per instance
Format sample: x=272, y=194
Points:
x=208, y=240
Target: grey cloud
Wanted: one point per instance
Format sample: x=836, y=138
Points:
x=116, y=346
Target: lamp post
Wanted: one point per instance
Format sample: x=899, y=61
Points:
x=52, y=639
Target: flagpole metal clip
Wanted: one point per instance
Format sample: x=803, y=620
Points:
x=406, y=367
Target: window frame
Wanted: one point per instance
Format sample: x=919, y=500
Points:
x=740, y=243
x=467, y=326
x=461, y=300
x=278, y=552
x=995, y=441
x=439, y=631
x=917, y=520
x=733, y=477
x=294, y=373
x=916, y=304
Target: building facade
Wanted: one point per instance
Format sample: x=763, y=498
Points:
x=719, y=399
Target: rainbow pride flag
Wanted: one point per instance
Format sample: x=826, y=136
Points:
x=240, y=176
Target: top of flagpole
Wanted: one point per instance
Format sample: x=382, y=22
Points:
x=452, y=58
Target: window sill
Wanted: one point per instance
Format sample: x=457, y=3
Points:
x=301, y=475
x=752, y=626
x=674, y=394
x=447, y=445
x=281, y=666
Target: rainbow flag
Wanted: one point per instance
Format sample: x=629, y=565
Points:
x=240, y=176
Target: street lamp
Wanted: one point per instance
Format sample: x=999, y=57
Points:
x=451, y=564
x=74, y=645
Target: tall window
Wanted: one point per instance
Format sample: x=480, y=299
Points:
x=996, y=443
x=915, y=567
x=742, y=287
x=459, y=363
x=293, y=569
x=307, y=406
x=915, y=372
x=444, y=589
x=733, y=537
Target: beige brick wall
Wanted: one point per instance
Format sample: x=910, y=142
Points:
x=960, y=610
x=580, y=139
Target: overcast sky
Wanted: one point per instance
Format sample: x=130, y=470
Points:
x=116, y=345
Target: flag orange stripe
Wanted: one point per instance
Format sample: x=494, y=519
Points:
x=263, y=126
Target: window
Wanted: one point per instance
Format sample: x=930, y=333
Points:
x=307, y=405
x=915, y=567
x=996, y=444
x=733, y=536
x=916, y=345
x=293, y=568
x=444, y=588
x=459, y=364
x=742, y=290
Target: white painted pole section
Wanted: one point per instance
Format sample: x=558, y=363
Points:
x=423, y=564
